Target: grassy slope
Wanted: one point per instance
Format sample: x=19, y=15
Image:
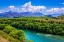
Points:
x=3, y=39
x=61, y=17
x=6, y=36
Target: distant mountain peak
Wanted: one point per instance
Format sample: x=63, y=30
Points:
x=17, y=14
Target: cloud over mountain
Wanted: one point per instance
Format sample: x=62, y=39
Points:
x=28, y=7
x=0, y=11
x=55, y=10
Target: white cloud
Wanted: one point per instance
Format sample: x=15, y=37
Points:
x=62, y=3
x=0, y=11
x=30, y=8
x=13, y=8
x=55, y=10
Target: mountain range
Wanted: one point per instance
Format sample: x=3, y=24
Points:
x=11, y=14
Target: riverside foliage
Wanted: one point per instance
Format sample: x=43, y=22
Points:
x=12, y=34
x=43, y=26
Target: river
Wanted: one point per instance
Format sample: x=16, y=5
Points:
x=40, y=37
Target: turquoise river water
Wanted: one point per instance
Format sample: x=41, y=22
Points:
x=40, y=37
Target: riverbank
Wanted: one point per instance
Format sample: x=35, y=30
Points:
x=50, y=26
x=40, y=37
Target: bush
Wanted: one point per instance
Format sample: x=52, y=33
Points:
x=9, y=29
x=18, y=34
x=9, y=38
x=2, y=26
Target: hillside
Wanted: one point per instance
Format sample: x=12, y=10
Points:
x=61, y=17
x=3, y=40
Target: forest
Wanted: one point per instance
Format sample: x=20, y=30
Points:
x=9, y=27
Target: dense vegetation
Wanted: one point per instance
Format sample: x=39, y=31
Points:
x=9, y=38
x=13, y=35
x=50, y=26
x=18, y=34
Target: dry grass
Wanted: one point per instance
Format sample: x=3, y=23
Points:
x=55, y=20
x=3, y=40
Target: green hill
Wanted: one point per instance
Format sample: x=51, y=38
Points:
x=61, y=17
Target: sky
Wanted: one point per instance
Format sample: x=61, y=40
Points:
x=43, y=6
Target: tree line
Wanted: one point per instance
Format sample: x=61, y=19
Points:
x=47, y=26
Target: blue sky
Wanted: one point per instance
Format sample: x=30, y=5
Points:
x=47, y=3
x=43, y=6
